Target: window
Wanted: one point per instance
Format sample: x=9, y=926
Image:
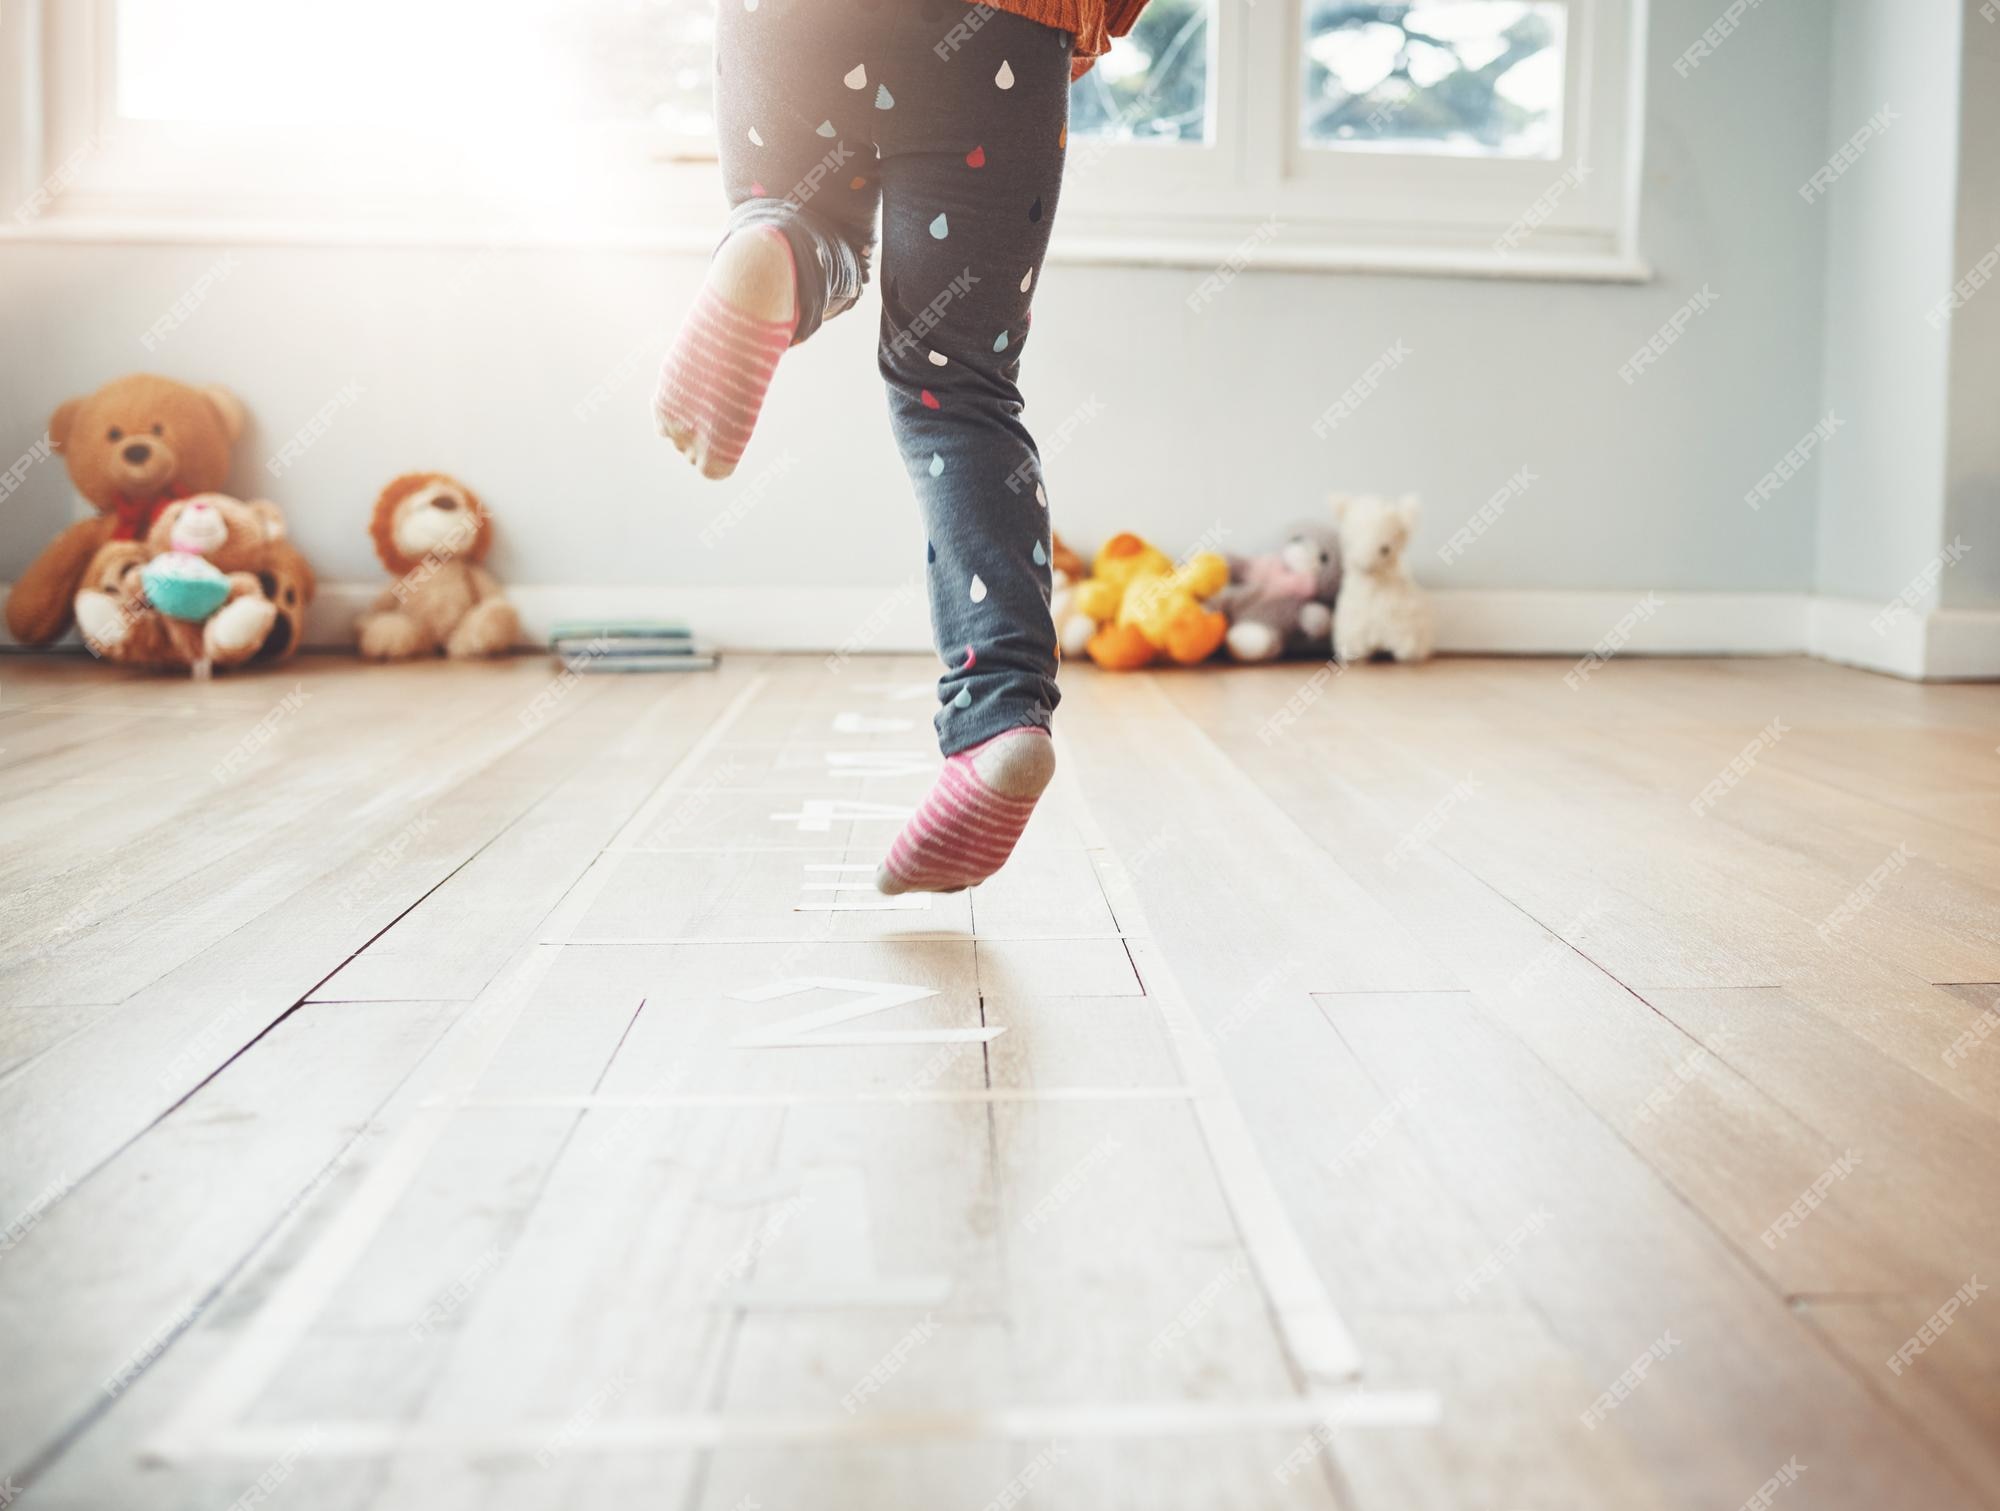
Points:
x=1154, y=87
x=1481, y=78
x=1487, y=135
x=1484, y=135
x=453, y=64
x=396, y=119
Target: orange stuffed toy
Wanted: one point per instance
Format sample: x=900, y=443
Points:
x=133, y=447
x=1146, y=609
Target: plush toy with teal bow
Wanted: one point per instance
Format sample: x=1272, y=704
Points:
x=193, y=593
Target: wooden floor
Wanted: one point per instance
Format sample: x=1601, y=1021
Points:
x=1418, y=1088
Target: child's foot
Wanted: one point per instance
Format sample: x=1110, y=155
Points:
x=968, y=824
x=713, y=381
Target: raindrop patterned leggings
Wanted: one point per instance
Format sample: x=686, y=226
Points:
x=953, y=120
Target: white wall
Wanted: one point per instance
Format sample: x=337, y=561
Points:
x=1891, y=253
x=1972, y=478
x=477, y=364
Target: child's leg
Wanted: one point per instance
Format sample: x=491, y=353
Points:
x=798, y=162
x=970, y=178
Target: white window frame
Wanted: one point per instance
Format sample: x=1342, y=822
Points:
x=204, y=181
x=1257, y=195
x=1254, y=195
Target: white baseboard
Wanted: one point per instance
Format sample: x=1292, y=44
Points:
x=1947, y=644
x=897, y=619
x=735, y=618
x=1962, y=645
x=1855, y=633
x=1509, y=622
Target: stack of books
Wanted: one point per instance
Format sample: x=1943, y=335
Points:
x=629, y=645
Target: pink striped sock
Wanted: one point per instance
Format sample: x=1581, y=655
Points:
x=970, y=821
x=713, y=381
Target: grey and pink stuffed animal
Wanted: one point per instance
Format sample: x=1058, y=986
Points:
x=1281, y=603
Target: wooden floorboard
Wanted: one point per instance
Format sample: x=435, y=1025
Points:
x=1688, y=1113
x=80, y=1101
x=420, y=1092
x=77, y=1315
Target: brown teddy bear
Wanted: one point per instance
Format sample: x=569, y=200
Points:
x=215, y=583
x=432, y=532
x=133, y=447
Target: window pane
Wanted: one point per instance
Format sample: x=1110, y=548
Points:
x=434, y=64
x=1481, y=77
x=1153, y=85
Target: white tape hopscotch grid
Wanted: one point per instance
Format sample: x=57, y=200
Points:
x=1320, y=1344
x=210, y=1422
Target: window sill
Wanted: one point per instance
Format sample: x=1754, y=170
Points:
x=1223, y=256
x=1201, y=248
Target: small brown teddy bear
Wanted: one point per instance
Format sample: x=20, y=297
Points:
x=290, y=585
x=125, y=617
x=117, y=621
x=132, y=447
x=432, y=532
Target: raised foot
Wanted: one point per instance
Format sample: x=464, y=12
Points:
x=968, y=824
x=713, y=381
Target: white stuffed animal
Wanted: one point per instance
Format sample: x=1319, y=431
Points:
x=1380, y=607
x=1073, y=628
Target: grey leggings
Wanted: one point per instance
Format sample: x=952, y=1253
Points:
x=953, y=121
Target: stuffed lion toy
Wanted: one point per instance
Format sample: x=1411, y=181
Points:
x=432, y=532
